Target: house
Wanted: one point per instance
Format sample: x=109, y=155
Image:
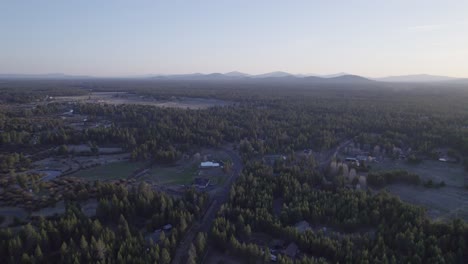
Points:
x=291, y=250
x=209, y=164
x=302, y=226
x=201, y=183
x=352, y=161
x=365, y=158
x=273, y=258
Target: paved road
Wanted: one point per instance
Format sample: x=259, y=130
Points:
x=332, y=153
x=204, y=225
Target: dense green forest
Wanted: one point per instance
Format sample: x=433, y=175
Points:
x=400, y=232
x=271, y=120
x=113, y=236
x=258, y=119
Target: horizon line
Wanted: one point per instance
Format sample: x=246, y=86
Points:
x=149, y=75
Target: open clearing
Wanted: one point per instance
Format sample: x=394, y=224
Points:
x=58, y=208
x=112, y=171
x=186, y=170
x=441, y=203
x=171, y=175
x=9, y=213
x=451, y=174
x=128, y=98
x=183, y=175
x=55, y=167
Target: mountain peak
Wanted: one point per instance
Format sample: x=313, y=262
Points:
x=236, y=74
x=274, y=74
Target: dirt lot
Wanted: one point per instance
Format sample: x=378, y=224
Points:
x=127, y=98
x=441, y=203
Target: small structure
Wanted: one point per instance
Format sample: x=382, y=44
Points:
x=209, y=164
x=352, y=160
x=167, y=227
x=273, y=258
x=291, y=250
x=302, y=226
x=154, y=236
x=201, y=183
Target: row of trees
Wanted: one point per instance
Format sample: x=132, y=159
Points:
x=380, y=179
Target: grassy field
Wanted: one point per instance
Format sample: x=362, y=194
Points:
x=112, y=171
x=183, y=174
x=171, y=175
x=441, y=203
x=451, y=174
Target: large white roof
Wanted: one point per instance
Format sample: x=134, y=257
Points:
x=209, y=164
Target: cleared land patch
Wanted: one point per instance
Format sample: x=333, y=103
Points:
x=171, y=175
x=442, y=203
x=112, y=171
x=128, y=98
x=451, y=174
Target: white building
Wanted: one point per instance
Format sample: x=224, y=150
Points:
x=209, y=164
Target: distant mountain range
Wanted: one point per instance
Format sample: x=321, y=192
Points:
x=416, y=78
x=278, y=76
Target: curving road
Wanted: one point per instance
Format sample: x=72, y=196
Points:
x=215, y=202
x=324, y=163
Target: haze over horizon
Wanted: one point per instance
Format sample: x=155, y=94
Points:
x=121, y=38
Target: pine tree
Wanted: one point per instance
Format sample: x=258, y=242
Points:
x=165, y=256
x=200, y=242
x=38, y=253
x=192, y=252
x=83, y=244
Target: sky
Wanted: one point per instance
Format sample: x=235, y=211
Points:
x=372, y=38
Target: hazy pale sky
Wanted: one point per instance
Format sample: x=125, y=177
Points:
x=115, y=38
